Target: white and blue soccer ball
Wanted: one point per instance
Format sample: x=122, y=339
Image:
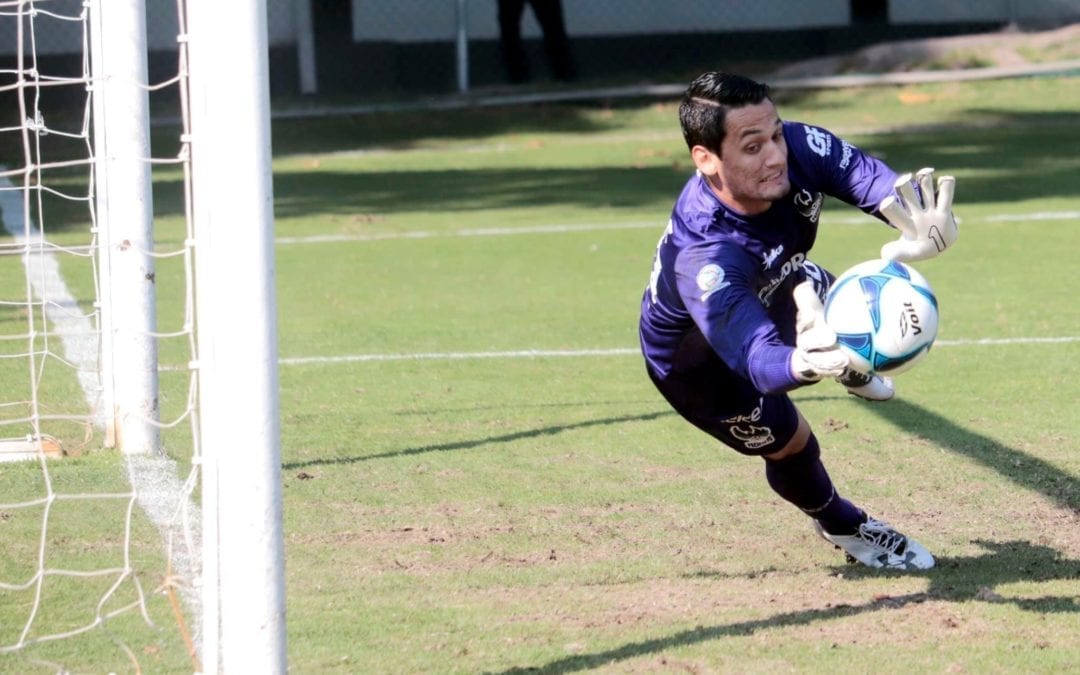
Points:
x=884, y=314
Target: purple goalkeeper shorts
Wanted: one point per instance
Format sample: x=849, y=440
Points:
x=726, y=406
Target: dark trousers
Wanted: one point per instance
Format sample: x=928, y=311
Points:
x=549, y=15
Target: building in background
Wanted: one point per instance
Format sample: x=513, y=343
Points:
x=378, y=50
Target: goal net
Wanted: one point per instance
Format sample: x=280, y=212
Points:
x=112, y=441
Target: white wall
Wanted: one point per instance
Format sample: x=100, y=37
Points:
x=435, y=20
x=629, y=17
x=61, y=36
x=922, y=11
x=431, y=20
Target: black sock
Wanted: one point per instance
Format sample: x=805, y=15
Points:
x=802, y=480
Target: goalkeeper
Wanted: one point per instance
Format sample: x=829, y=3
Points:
x=732, y=318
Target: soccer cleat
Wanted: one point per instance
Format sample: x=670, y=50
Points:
x=869, y=387
x=878, y=545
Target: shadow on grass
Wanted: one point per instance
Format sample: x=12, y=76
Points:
x=305, y=193
x=401, y=130
x=1018, y=467
x=956, y=579
x=962, y=579
x=1022, y=469
x=465, y=445
x=1027, y=143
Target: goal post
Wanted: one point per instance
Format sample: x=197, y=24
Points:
x=107, y=558
x=228, y=140
x=243, y=547
x=231, y=198
x=124, y=203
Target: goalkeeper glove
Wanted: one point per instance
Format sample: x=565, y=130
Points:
x=927, y=227
x=816, y=353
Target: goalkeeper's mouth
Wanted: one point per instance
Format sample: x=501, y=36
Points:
x=776, y=177
x=776, y=183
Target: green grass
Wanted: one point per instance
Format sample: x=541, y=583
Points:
x=503, y=514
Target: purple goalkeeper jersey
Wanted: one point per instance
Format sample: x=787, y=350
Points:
x=728, y=277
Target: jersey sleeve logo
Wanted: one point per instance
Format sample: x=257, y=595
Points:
x=710, y=279
x=845, y=157
x=819, y=141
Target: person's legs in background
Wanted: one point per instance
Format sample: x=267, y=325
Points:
x=513, y=51
x=549, y=14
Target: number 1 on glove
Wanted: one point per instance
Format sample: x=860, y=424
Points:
x=927, y=225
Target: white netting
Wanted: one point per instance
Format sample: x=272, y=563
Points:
x=100, y=557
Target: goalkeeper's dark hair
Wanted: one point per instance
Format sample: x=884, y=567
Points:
x=706, y=102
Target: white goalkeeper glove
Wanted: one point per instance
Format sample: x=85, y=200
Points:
x=927, y=227
x=816, y=353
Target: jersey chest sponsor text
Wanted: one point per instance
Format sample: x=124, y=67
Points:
x=807, y=204
x=790, y=265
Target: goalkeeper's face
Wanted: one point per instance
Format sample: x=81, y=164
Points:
x=750, y=173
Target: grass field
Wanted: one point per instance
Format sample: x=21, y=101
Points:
x=479, y=477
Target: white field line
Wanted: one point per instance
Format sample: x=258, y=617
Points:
x=561, y=229
x=632, y=225
x=158, y=490
x=1041, y=215
x=468, y=232
x=616, y=351
x=43, y=272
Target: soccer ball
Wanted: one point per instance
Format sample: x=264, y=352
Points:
x=884, y=314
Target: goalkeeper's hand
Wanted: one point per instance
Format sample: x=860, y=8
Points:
x=816, y=353
x=927, y=226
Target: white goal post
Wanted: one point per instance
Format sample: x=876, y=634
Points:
x=225, y=556
x=237, y=334
x=122, y=198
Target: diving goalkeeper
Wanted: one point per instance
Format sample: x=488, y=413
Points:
x=732, y=317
